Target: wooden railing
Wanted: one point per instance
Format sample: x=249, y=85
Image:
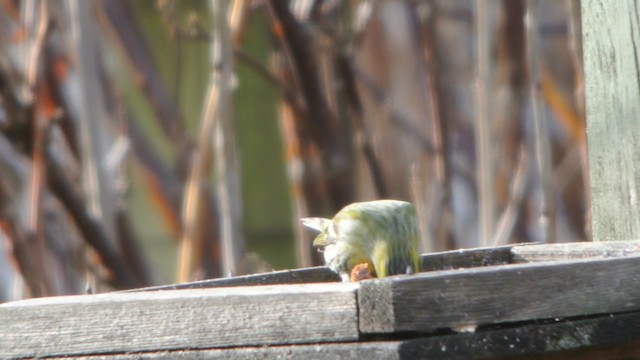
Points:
x=578, y=300
x=511, y=300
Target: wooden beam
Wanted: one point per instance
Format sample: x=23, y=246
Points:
x=318, y=274
x=604, y=337
x=466, y=258
x=559, y=336
x=374, y=350
x=466, y=298
x=447, y=260
x=178, y=319
x=577, y=250
x=611, y=43
x=526, y=253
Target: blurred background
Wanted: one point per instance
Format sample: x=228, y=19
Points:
x=157, y=141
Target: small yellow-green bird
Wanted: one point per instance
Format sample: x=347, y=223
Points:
x=383, y=234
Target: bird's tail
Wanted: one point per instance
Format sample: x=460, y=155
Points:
x=316, y=223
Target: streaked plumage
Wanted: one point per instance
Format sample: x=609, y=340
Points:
x=382, y=233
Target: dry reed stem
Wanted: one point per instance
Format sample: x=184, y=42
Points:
x=542, y=140
x=484, y=164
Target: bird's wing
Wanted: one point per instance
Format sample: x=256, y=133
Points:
x=322, y=240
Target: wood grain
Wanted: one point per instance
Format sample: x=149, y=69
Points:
x=577, y=250
x=447, y=260
x=590, y=338
x=178, y=319
x=611, y=43
x=583, y=336
x=372, y=350
x=496, y=294
x=318, y=274
x=466, y=258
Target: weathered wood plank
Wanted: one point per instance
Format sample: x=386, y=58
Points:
x=582, y=336
x=447, y=260
x=526, y=252
x=179, y=319
x=495, y=294
x=318, y=274
x=372, y=350
x=466, y=258
x=611, y=43
x=589, y=338
x=577, y=250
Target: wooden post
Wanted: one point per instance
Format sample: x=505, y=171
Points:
x=611, y=43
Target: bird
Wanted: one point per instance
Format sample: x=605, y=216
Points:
x=381, y=234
